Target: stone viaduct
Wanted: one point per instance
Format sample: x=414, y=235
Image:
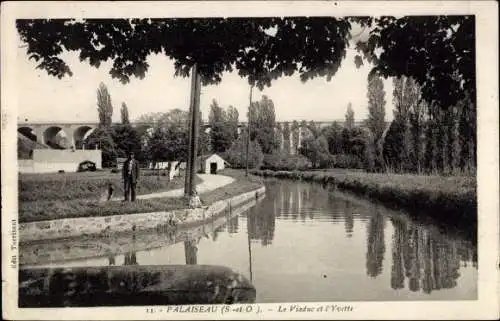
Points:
x=74, y=133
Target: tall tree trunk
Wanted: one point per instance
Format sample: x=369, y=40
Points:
x=408, y=146
x=434, y=147
x=455, y=140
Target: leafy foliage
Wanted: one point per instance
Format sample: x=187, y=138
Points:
x=376, y=106
x=169, y=141
x=423, y=138
x=261, y=49
x=316, y=150
x=236, y=154
x=437, y=51
x=232, y=122
x=102, y=138
x=333, y=135
x=224, y=127
x=263, y=124
x=126, y=140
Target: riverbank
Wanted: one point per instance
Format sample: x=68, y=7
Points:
x=451, y=199
x=52, y=196
x=226, y=200
x=89, y=185
x=62, y=208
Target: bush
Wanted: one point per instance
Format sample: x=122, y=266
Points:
x=236, y=155
x=347, y=161
x=281, y=161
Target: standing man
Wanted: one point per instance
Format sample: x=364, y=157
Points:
x=130, y=175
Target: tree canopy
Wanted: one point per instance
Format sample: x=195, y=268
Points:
x=437, y=51
x=261, y=49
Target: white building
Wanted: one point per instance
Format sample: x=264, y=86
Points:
x=54, y=160
x=211, y=164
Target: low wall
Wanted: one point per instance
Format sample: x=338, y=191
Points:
x=53, y=160
x=71, y=227
x=34, y=254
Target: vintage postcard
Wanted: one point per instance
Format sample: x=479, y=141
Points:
x=250, y=160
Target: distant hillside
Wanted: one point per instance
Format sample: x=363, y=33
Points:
x=25, y=147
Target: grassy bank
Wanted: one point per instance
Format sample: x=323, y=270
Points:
x=452, y=199
x=57, y=208
x=88, y=185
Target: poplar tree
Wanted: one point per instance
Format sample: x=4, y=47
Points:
x=124, y=114
x=349, y=117
x=104, y=106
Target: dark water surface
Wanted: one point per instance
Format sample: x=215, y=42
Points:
x=301, y=242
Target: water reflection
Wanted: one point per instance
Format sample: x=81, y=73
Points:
x=375, y=245
x=233, y=225
x=428, y=260
x=348, y=219
x=310, y=232
x=422, y=257
x=260, y=226
x=130, y=257
x=191, y=251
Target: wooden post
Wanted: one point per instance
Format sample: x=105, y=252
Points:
x=248, y=131
x=187, y=180
x=189, y=187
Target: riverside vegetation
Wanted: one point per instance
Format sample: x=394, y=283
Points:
x=56, y=196
x=450, y=199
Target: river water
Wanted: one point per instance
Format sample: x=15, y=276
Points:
x=302, y=242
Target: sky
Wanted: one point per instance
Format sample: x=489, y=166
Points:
x=44, y=98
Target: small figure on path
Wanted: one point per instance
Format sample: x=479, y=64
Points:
x=110, y=191
x=107, y=193
x=130, y=173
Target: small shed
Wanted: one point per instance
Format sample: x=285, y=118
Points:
x=211, y=164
